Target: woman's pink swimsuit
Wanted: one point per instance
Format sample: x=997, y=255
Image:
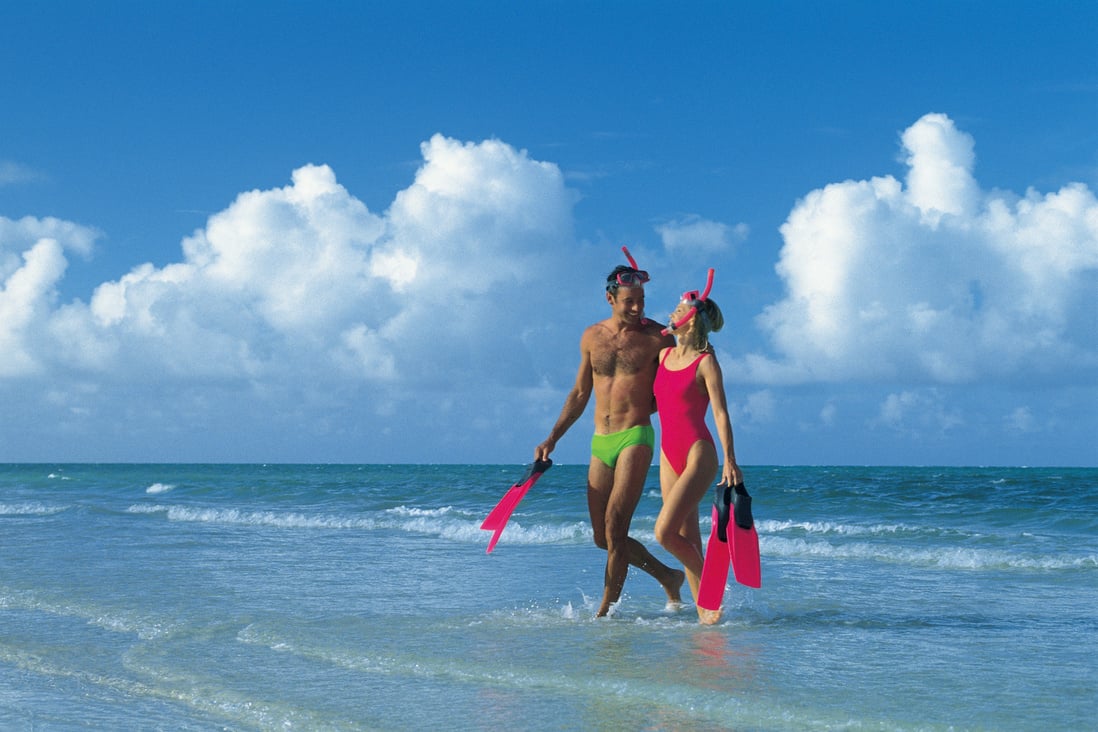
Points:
x=682, y=407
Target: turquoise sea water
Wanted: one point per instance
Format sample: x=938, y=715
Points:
x=211, y=597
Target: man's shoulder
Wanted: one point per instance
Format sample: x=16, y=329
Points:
x=595, y=337
x=653, y=334
x=595, y=329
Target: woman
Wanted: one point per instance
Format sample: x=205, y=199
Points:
x=689, y=380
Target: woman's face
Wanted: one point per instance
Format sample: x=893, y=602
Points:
x=679, y=313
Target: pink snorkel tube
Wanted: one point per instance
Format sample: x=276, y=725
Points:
x=694, y=299
x=632, y=262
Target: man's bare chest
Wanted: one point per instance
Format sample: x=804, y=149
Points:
x=622, y=356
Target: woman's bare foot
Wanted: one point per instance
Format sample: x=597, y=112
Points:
x=708, y=617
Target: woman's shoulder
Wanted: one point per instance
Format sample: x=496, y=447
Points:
x=708, y=360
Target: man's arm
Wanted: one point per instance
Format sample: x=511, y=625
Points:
x=666, y=341
x=574, y=404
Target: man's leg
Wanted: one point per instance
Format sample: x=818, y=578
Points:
x=612, y=497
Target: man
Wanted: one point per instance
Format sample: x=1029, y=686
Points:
x=618, y=359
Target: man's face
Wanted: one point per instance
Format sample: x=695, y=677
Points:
x=627, y=304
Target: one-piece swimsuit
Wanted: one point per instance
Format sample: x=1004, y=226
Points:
x=682, y=406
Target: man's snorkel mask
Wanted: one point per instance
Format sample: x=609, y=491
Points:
x=631, y=277
x=693, y=299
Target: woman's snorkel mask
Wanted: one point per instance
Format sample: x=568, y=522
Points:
x=693, y=299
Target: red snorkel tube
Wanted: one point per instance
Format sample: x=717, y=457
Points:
x=694, y=298
x=632, y=262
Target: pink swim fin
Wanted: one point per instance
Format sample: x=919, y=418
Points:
x=731, y=514
x=714, y=570
x=744, y=545
x=498, y=517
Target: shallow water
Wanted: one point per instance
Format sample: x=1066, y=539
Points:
x=360, y=597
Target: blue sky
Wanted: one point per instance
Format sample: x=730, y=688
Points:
x=373, y=232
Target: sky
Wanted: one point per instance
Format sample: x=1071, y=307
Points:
x=373, y=232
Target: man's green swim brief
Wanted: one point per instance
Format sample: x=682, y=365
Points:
x=607, y=448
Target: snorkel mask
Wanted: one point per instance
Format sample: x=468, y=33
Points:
x=693, y=299
x=636, y=278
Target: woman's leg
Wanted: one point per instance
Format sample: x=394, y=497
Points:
x=677, y=526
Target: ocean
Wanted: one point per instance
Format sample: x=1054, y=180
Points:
x=345, y=597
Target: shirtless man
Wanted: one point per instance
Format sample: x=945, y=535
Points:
x=618, y=359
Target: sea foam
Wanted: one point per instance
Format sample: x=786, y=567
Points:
x=28, y=509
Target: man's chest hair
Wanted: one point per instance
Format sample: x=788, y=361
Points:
x=623, y=353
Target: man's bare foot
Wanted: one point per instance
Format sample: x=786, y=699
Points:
x=673, y=587
x=708, y=617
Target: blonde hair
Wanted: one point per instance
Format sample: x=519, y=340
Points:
x=708, y=319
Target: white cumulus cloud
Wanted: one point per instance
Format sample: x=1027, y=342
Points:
x=301, y=296
x=934, y=280
x=26, y=295
x=304, y=277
